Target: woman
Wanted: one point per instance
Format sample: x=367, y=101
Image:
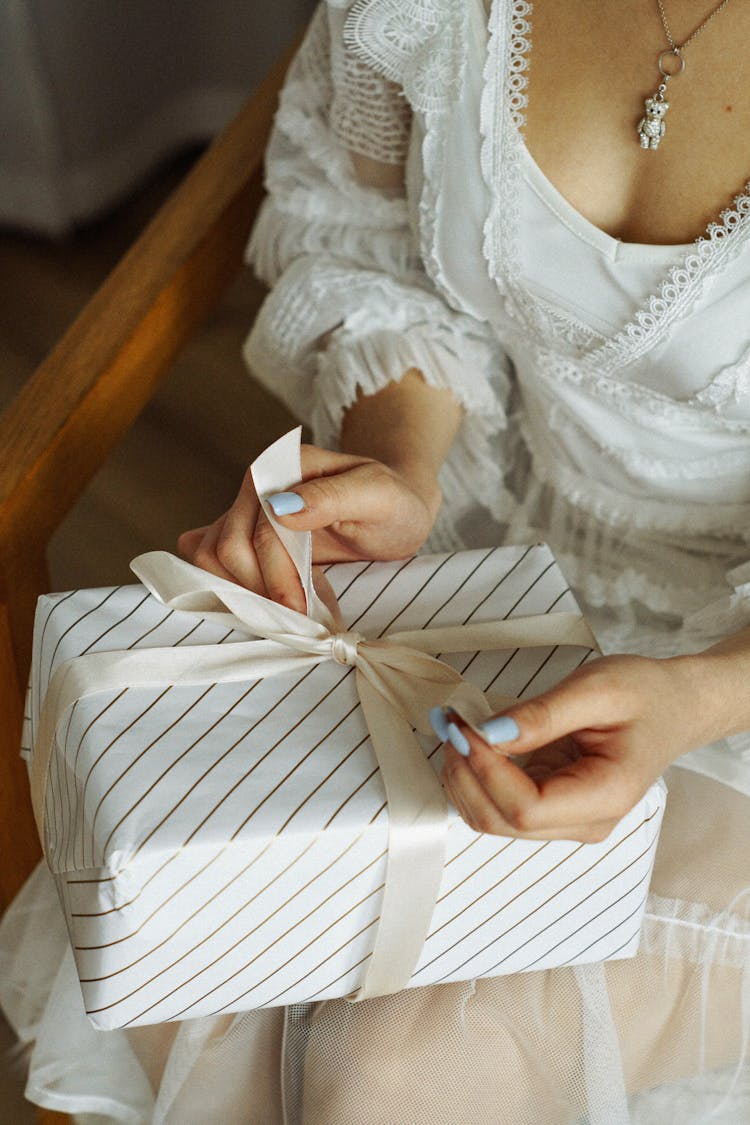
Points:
x=487, y=291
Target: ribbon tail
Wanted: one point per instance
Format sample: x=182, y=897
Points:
x=418, y=825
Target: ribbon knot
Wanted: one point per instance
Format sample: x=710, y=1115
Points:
x=398, y=681
x=344, y=647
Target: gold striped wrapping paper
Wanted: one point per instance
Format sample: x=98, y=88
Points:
x=223, y=848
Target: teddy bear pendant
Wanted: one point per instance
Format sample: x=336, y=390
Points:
x=651, y=128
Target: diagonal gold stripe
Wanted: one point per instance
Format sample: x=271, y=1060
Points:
x=320, y=991
x=137, y=759
x=586, y=898
x=114, y=625
x=239, y=875
x=78, y=815
x=537, y=908
x=36, y=680
x=78, y=620
x=515, y=651
x=464, y=582
x=105, y=751
x=356, y=578
x=414, y=597
x=200, y=779
x=380, y=593
x=493, y=888
x=234, y=835
x=67, y=828
x=593, y=918
x=258, y=984
x=153, y=629
x=240, y=940
x=476, y=870
x=328, y=957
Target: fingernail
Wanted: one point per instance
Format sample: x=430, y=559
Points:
x=439, y=723
x=458, y=740
x=285, y=503
x=502, y=729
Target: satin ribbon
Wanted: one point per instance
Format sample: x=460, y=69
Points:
x=398, y=681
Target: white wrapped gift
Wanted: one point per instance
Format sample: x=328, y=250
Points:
x=214, y=808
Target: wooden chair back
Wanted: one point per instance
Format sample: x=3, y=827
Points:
x=83, y=398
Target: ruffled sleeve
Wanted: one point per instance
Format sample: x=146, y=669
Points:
x=351, y=305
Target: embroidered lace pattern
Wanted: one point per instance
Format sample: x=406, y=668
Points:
x=681, y=289
x=505, y=82
x=369, y=114
x=419, y=44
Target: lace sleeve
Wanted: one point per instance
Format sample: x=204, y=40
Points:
x=351, y=307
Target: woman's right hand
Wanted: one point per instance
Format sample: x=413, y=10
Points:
x=356, y=507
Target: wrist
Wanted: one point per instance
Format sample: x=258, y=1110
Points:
x=422, y=479
x=716, y=681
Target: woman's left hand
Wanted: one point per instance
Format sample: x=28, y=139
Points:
x=596, y=742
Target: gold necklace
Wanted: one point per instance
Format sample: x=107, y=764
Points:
x=671, y=62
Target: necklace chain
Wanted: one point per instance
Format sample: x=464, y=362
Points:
x=677, y=47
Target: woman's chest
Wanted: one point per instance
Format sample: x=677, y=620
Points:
x=591, y=67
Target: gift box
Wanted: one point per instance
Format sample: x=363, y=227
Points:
x=231, y=827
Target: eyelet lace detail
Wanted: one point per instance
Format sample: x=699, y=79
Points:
x=420, y=44
x=507, y=57
x=682, y=287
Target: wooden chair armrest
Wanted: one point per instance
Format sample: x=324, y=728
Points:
x=86, y=394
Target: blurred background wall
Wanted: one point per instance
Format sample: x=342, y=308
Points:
x=94, y=93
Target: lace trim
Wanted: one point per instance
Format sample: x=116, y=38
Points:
x=562, y=326
x=649, y=467
x=500, y=126
x=310, y=135
x=729, y=521
x=728, y=388
x=633, y=397
x=682, y=287
x=419, y=44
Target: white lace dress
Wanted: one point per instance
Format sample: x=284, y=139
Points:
x=607, y=396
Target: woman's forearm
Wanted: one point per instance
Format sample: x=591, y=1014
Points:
x=722, y=681
x=409, y=426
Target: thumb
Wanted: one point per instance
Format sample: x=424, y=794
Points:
x=575, y=704
x=358, y=494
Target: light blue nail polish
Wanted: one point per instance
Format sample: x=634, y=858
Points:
x=439, y=723
x=458, y=740
x=502, y=729
x=285, y=503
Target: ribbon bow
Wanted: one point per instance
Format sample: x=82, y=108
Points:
x=398, y=681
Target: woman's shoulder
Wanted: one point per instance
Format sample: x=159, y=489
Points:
x=422, y=45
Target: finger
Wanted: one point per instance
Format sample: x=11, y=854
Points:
x=365, y=492
x=234, y=547
x=189, y=541
x=591, y=790
x=482, y=813
x=280, y=575
x=199, y=548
